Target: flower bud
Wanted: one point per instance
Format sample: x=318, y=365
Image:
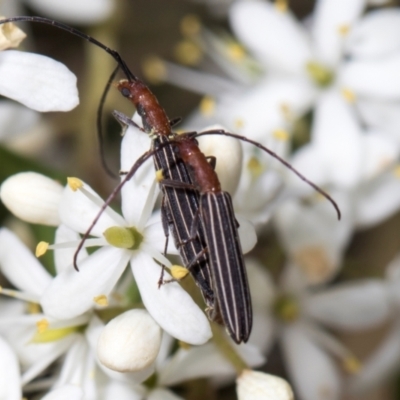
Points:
x=129, y=342
x=253, y=385
x=32, y=197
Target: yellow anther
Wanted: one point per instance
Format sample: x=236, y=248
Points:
x=159, y=175
x=188, y=53
x=42, y=325
x=255, y=167
x=396, y=171
x=282, y=5
x=351, y=365
x=285, y=109
x=41, y=249
x=190, y=25
x=281, y=134
x=236, y=51
x=343, y=29
x=207, y=106
x=321, y=75
x=349, y=95
x=184, y=345
x=74, y=183
x=33, y=308
x=101, y=300
x=10, y=35
x=1, y=288
x=178, y=272
x=239, y=123
x=154, y=69
x=51, y=335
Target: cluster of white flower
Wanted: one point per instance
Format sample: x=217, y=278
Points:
x=323, y=93
x=105, y=333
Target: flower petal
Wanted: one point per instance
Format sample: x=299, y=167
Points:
x=169, y=305
x=67, y=392
x=75, y=11
x=20, y=266
x=77, y=212
x=38, y=82
x=162, y=394
x=357, y=306
x=315, y=379
x=376, y=78
x=332, y=19
x=72, y=293
x=376, y=35
x=380, y=365
x=63, y=257
x=247, y=234
x=274, y=36
x=135, y=193
x=205, y=362
x=10, y=380
x=15, y=120
x=377, y=200
x=335, y=128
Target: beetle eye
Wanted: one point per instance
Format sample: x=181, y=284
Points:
x=125, y=92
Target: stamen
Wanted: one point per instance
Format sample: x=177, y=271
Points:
x=281, y=5
x=159, y=175
x=154, y=69
x=101, y=300
x=190, y=25
x=74, y=183
x=281, y=134
x=24, y=296
x=236, y=51
x=344, y=29
x=349, y=95
x=255, y=167
x=156, y=254
x=207, y=106
x=41, y=249
x=239, y=123
x=184, y=345
x=352, y=365
x=188, y=53
x=52, y=335
x=42, y=325
x=178, y=272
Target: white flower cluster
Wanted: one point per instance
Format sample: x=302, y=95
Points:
x=323, y=93
x=103, y=332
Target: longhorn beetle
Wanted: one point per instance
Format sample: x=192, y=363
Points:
x=179, y=206
x=223, y=281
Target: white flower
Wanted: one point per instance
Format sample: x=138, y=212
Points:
x=297, y=317
x=253, y=385
x=133, y=239
x=10, y=385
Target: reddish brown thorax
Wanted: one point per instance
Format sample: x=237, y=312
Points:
x=202, y=172
x=153, y=115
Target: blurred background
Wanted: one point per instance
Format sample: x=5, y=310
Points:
x=65, y=144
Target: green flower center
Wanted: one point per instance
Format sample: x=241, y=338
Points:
x=320, y=74
x=123, y=238
x=286, y=308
